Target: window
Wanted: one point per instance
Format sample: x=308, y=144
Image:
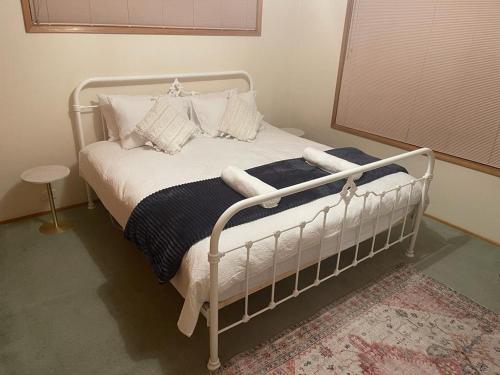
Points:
x=195, y=17
x=424, y=73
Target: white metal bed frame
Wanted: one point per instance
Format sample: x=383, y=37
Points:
x=349, y=191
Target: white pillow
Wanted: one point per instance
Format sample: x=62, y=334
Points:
x=166, y=127
x=241, y=119
x=129, y=110
x=209, y=108
x=109, y=118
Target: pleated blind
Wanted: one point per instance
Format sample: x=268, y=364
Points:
x=425, y=73
x=239, y=15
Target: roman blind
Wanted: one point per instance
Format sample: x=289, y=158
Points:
x=424, y=73
x=224, y=15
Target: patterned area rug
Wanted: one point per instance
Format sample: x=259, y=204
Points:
x=405, y=323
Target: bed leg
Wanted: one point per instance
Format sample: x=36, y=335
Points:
x=213, y=311
x=213, y=328
x=213, y=362
x=424, y=201
x=91, y=204
x=410, y=252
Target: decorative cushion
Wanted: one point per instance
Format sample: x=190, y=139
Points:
x=166, y=127
x=241, y=119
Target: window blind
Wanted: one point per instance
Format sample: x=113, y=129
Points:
x=425, y=73
x=195, y=14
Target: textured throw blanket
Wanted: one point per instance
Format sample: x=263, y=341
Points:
x=167, y=223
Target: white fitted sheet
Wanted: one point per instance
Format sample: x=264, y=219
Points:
x=122, y=178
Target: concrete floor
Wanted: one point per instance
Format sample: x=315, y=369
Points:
x=86, y=302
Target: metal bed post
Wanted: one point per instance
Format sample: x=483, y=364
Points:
x=410, y=253
x=213, y=311
x=81, y=140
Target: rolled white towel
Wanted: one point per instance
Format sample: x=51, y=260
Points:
x=247, y=185
x=328, y=162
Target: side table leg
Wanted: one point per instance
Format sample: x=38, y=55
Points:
x=52, y=206
x=56, y=226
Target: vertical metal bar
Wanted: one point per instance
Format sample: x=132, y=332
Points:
x=214, y=259
x=277, y=234
x=339, y=243
x=375, y=225
x=323, y=231
x=407, y=210
x=299, y=255
x=81, y=138
x=410, y=253
x=358, y=235
x=394, y=205
x=248, y=246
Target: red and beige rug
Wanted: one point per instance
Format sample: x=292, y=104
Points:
x=405, y=323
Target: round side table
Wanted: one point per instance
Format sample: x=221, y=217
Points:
x=295, y=131
x=46, y=175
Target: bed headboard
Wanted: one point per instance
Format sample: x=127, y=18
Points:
x=175, y=89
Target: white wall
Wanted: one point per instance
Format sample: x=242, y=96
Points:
x=39, y=71
x=294, y=64
x=461, y=196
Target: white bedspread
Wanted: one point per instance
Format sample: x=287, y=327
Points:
x=122, y=178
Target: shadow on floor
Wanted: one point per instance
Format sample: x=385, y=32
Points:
x=146, y=312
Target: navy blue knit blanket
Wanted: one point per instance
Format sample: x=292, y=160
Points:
x=167, y=223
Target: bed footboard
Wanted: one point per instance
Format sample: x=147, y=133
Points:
x=347, y=194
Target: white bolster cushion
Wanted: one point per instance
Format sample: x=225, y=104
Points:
x=328, y=162
x=247, y=185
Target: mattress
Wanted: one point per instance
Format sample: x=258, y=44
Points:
x=122, y=178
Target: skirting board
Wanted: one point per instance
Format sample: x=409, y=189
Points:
x=463, y=230
x=40, y=213
x=85, y=203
